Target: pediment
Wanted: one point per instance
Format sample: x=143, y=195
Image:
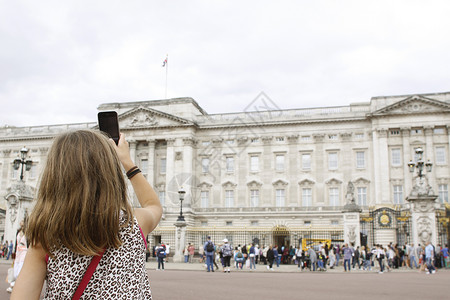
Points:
x=333, y=181
x=306, y=182
x=413, y=105
x=229, y=184
x=280, y=182
x=142, y=117
x=361, y=181
x=254, y=183
x=205, y=185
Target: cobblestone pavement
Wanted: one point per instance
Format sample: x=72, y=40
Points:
x=191, y=281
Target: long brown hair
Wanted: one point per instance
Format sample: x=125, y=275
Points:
x=81, y=195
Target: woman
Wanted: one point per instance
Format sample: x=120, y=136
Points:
x=82, y=218
x=271, y=257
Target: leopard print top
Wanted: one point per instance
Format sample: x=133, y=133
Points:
x=120, y=274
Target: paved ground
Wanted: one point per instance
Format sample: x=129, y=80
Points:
x=190, y=281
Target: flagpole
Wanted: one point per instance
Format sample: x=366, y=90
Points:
x=167, y=71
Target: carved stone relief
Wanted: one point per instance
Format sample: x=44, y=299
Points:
x=424, y=229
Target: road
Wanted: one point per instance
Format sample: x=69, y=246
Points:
x=198, y=285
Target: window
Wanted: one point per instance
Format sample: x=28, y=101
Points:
x=279, y=162
x=396, y=157
x=306, y=197
x=204, y=224
x=33, y=170
x=162, y=168
x=204, y=199
x=229, y=198
x=230, y=164
x=205, y=165
x=334, y=196
x=254, y=198
x=359, y=136
x=416, y=131
x=443, y=193
x=334, y=222
x=440, y=156
x=162, y=197
x=306, y=161
x=332, y=160
x=254, y=223
x=398, y=194
x=254, y=163
x=14, y=173
x=362, y=196
x=206, y=143
x=229, y=142
x=144, y=166
x=438, y=130
x=307, y=223
x=279, y=139
x=395, y=132
x=229, y=223
x=279, y=197
x=254, y=140
x=360, y=160
x=305, y=138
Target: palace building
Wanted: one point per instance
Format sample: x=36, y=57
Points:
x=268, y=175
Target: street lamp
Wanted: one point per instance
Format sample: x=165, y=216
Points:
x=21, y=161
x=181, y=193
x=420, y=163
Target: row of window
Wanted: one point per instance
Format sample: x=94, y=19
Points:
x=439, y=159
x=306, y=161
x=333, y=196
x=255, y=223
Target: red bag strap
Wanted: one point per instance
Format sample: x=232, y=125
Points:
x=87, y=276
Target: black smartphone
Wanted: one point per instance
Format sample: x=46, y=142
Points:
x=108, y=122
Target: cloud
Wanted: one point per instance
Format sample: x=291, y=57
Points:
x=60, y=60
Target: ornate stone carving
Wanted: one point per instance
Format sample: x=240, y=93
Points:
x=12, y=207
x=421, y=187
x=352, y=233
x=178, y=155
x=143, y=119
x=351, y=205
x=424, y=229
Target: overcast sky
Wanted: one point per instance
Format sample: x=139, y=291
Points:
x=59, y=60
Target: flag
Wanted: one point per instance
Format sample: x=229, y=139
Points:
x=165, y=62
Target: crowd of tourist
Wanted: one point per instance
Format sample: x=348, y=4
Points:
x=321, y=257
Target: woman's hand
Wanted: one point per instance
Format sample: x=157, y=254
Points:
x=123, y=151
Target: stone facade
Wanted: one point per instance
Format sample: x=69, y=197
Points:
x=267, y=168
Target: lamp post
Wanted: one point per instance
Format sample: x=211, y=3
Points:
x=181, y=193
x=420, y=164
x=21, y=161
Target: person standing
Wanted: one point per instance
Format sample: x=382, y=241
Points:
x=429, y=255
x=412, y=256
x=445, y=255
x=270, y=257
x=209, y=252
x=312, y=258
x=21, y=252
x=348, y=254
x=10, y=250
x=252, y=255
x=227, y=252
x=191, y=250
x=161, y=254
x=83, y=177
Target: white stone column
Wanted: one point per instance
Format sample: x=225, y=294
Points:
x=429, y=153
x=180, y=241
x=19, y=201
x=407, y=178
x=384, y=165
x=188, y=161
x=377, y=168
x=170, y=174
x=151, y=162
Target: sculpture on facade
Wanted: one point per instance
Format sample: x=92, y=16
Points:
x=424, y=229
x=421, y=187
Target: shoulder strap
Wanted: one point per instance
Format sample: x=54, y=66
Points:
x=87, y=276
